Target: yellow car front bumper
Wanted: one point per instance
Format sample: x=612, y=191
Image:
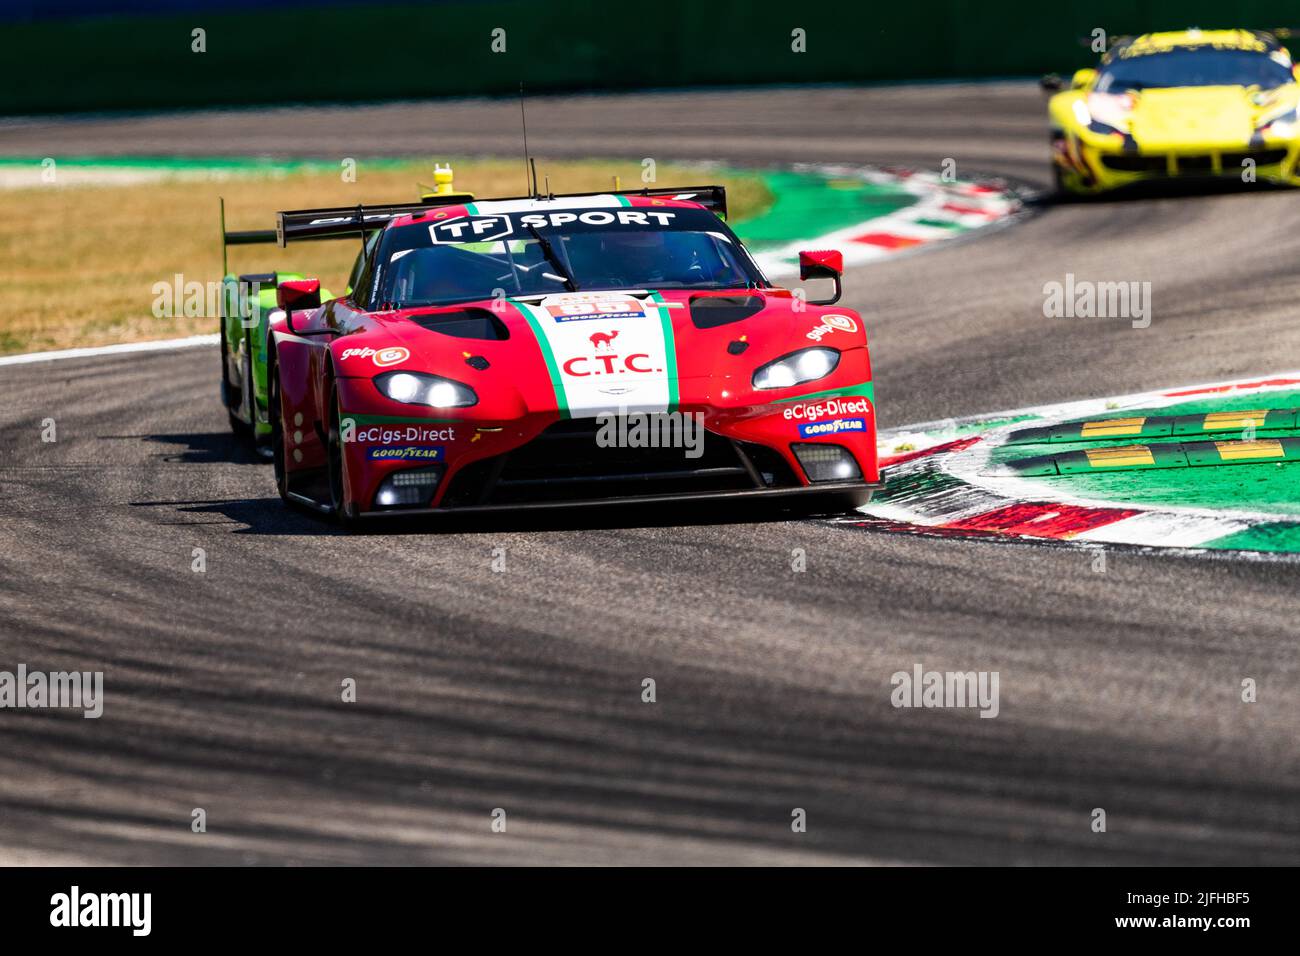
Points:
x=1092, y=164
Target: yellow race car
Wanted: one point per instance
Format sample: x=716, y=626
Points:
x=1181, y=105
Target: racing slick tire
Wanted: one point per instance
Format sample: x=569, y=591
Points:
x=261, y=446
x=276, y=415
x=229, y=396
x=345, y=510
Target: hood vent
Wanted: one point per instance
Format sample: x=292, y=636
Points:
x=711, y=311
x=465, y=324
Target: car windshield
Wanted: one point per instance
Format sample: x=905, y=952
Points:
x=466, y=258
x=1194, y=67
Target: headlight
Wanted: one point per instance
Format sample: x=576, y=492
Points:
x=416, y=388
x=1106, y=113
x=807, y=365
x=1281, y=125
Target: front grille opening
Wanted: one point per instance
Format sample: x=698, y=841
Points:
x=1192, y=165
x=565, y=463
x=772, y=468
x=1262, y=157
x=472, y=484
x=1136, y=164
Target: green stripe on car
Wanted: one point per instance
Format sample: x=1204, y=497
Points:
x=670, y=348
x=553, y=367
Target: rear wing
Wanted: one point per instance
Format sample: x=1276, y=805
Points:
x=318, y=224
x=343, y=221
x=245, y=238
x=314, y=224
x=334, y=223
x=712, y=198
x=340, y=222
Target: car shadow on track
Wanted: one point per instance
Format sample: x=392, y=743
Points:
x=603, y=517
x=1164, y=189
x=263, y=516
x=205, y=448
x=270, y=516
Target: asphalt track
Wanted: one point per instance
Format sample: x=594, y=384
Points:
x=521, y=689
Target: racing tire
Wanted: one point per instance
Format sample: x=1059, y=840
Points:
x=229, y=396
x=1058, y=182
x=345, y=510
x=249, y=400
x=276, y=415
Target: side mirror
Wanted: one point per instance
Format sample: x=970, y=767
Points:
x=823, y=264
x=1052, y=83
x=1082, y=79
x=296, y=295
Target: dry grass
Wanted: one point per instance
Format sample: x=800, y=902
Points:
x=80, y=262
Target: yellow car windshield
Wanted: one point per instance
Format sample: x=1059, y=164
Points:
x=1193, y=67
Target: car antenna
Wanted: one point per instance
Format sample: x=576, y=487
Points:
x=528, y=160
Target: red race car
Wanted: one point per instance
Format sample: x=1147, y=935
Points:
x=562, y=350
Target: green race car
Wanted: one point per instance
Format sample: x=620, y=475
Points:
x=248, y=304
x=248, y=301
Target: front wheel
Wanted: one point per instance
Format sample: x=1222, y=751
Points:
x=230, y=397
x=260, y=445
x=275, y=412
x=345, y=509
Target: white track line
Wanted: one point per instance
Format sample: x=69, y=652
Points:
x=162, y=345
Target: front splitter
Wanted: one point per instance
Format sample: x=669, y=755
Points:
x=844, y=496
